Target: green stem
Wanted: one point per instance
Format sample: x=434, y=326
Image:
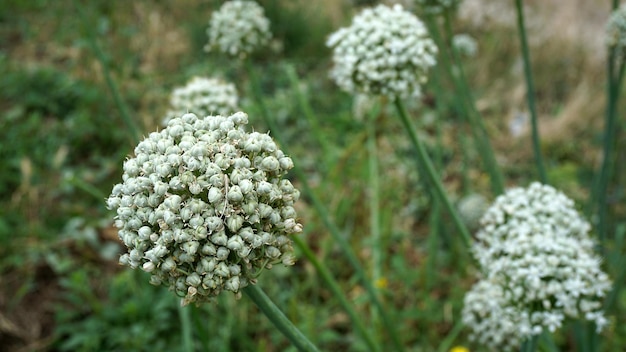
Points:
x=325, y=216
x=431, y=174
x=117, y=97
x=610, y=136
x=279, y=319
x=468, y=105
x=325, y=274
x=530, y=93
x=530, y=345
x=617, y=261
x=435, y=215
x=87, y=188
x=448, y=341
x=374, y=202
x=185, y=325
x=201, y=330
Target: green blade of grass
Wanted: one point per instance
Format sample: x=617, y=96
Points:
x=530, y=93
x=325, y=274
x=433, y=179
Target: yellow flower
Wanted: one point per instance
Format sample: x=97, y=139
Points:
x=459, y=349
x=381, y=283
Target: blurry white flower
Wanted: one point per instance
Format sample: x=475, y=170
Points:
x=203, y=96
x=238, y=28
x=204, y=206
x=465, y=45
x=385, y=51
x=494, y=322
x=616, y=30
x=471, y=209
x=535, y=246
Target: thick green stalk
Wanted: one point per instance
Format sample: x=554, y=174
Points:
x=530, y=345
x=202, y=331
x=530, y=93
x=618, y=262
x=433, y=179
x=435, y=215
x=374, y=202
x=325, y=274
x=479, y=131
x=185, y=325
x=325, y=216
x=276, y=316
x=610, y=134
x=546, y=342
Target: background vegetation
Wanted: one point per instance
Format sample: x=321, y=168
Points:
x=63, y=140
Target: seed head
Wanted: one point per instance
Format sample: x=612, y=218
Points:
x=385, y=51
x=238, y=28
x=202, y=96
x=208, y=222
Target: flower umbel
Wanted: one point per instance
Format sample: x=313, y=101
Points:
x=238, y=28
x=494, y=322
x=537, y=259
x=465, y=45
x=203, y=96
x=204, y=206
x=385, y=51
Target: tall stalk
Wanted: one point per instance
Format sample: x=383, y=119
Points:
x=530, y=93
x=376, y=244
x=338, y=293
x=321, y=209
x=279, y=319
x=601, y=184
x=433, y=178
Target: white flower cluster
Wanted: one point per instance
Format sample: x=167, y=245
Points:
x=204, y=207
x=385, y=51
x=616, y=30
x=465, y=45
x=435, y=7
x=495, y=323
x=203, y=97
x=238, y=28
x=535, y=246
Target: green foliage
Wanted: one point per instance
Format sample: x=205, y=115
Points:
x=134, y=316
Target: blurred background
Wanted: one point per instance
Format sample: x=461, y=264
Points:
x=66, y=67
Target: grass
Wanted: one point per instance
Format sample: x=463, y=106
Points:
x=64, y=138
